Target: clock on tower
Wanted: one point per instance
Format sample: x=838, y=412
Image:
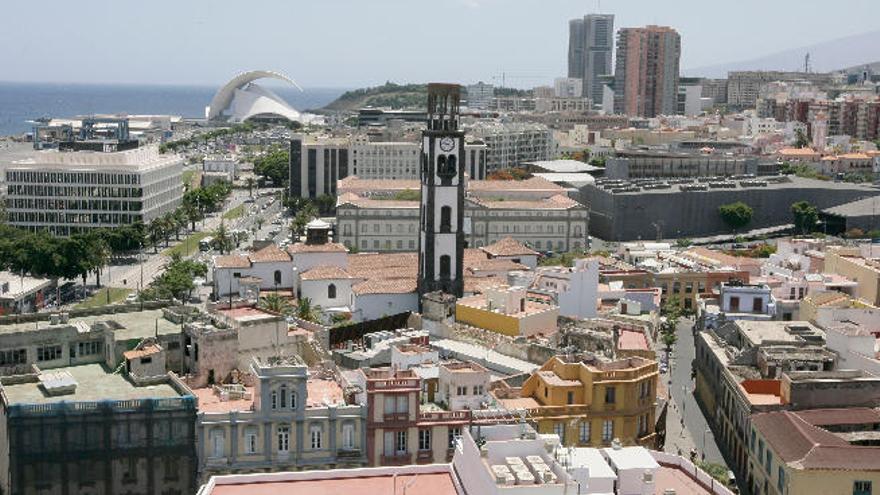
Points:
x=441, y=219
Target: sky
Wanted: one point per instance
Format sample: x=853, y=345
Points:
x=354, y=43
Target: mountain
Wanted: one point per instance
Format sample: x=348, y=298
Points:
x=824, y=57
x=396, y=96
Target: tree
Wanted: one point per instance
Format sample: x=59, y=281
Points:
x=806, y=216
x=668, y=339
x=274, y=166
x=306, y=311
x=192, y=214
x=276, y=304
x=306, y=214
x=801, y=141
x=155, y=233
x=326, y=204
x=177, y=279
x=223, y=241
x=250, y=183
x=736, y=215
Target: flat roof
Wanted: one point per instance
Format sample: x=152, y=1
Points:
x=631, y=458
x=564, y=166
x=94, y=383
x=861, y=208
x=133, y=325
x=422, y=483
x=791, y=183
x=593, y=460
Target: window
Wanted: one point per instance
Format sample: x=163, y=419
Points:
x=331, y=291
x=274, y=400
x=218, y=443
x=445, y=265
x=643, y=425
x=607, y=430
x=347, y=436
x=424, y=439
x=292, y=399
x=402, y=404
x=390, y=404
x=49, y=353
x=445, y=219
x=461, y=390
x=400, y=442
x=757, y=304
x=862, y=487
x=780, y=480
x=734, y=303
x=315, y=435
x=250, y=440
x=17, y=356
x=277, y=277
x=610, y=393
x=89, y=348
x=283, y=397
x=584, y=432
x=570, y=398
x=768, y=465
x=478, y=390
x=559, y=430
x=283, y=439
x=453, y=434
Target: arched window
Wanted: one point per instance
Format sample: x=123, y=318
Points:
x=277, y=277
x=283, y=396
x=446, y=219
x=293, y=400
x=445, y=265
x=331, y=291
x=441, y=165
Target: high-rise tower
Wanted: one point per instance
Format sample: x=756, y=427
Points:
x=646, y=71
x=590, y=43
x=441, y=219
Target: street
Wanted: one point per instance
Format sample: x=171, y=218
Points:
x=684, y=405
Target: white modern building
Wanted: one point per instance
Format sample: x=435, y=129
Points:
x=73, y=191
x=224, y=166
x=400, y=159
x=241, y=99
x=510, y=144
x=480, y=95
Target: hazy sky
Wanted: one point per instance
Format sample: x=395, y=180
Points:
x=347, y=43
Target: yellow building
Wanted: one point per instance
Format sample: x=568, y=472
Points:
x=508, y=311
x=814, y=452
x=591, y=404
x=851, y=263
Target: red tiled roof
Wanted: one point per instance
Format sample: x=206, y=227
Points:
x=534, y=183
x=325, y=272
x=845, y=416
x=557, y=202
x=330, y=247
x=508, y=247
x=809, y=447
x=386, y=286
x=269, y=254
x=632, y=340
x=139, y=353
x=232, y=261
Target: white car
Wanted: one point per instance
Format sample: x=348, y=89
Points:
x=131, y=298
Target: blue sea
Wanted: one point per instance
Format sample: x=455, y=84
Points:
x=21, y=102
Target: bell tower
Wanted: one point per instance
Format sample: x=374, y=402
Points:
x=441, y=215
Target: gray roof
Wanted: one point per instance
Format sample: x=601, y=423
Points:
x=564, y=166
x=134, y=325
x=774, y=183
x=860, y=208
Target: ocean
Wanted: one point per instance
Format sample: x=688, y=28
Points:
x=21, y=102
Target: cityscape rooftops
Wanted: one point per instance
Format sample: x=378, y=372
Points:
x=124, y=325
x=508, y=246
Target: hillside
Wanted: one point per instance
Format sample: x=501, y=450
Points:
x=826, y=56
x=388, y=95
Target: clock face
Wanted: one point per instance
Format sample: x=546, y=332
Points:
x=447, y=144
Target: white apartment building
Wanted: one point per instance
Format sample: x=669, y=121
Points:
x=400, y=159
x=221, y=164
x=65, y=192
x=568, y=87
x=510, y=144
x=479, y=95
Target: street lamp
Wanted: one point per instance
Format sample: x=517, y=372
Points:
x=707, y=430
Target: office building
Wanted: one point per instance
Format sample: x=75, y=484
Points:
x=480, y=95
x=535, y=212
x=646, y=71
x=511, y=144
x=590, y=43
x=568, y=87
x=639, y=164
x=400, y=159
x=67, y=192
x=316, y=164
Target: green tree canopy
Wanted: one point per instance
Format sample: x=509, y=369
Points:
x=274, y=166
x=806, y=216
x=736, y=215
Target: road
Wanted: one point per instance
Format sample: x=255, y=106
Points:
x=681, y=388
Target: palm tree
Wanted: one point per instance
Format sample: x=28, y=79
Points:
x=155, y=231
x=250, y=182
x=276, y=304
x=222, y=240
x=180, y=221
x=168, y=226
x=305, y=310
x=192, y=214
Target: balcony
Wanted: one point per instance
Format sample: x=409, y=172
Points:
x=348, y=453
x=425, y=457
x=216, y=462
x=396, y=417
